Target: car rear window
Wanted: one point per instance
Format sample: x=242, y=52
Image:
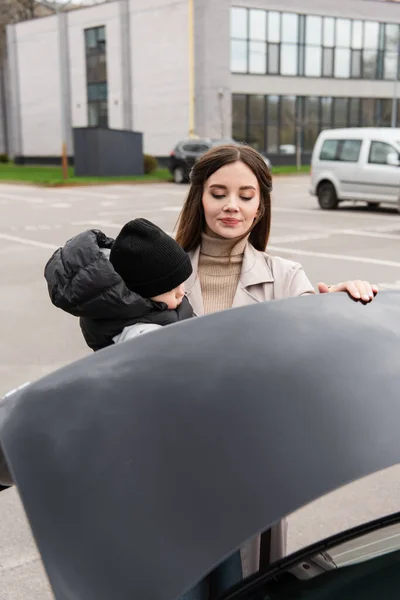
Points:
x=341, y=150
x=195, y=148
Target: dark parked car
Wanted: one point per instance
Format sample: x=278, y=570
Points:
x=186, y=152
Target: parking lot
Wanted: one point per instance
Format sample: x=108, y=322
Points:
x=350, y=243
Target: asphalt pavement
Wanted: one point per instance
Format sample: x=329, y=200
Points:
x=350, y=243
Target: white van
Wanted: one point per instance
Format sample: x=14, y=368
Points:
x=356, y=164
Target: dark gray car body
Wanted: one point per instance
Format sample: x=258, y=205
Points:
x=143, y=466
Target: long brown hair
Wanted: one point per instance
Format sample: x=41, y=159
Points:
x=191, y=220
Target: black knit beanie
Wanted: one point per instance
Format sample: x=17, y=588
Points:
x=148, y=259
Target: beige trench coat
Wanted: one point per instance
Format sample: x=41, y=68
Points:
x=263, y=277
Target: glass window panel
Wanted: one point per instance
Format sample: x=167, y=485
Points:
x=370, y=62
x=326, y=112
x=90, y=39
x=311, y=112
x=327, y=63
x=288, y=59
x=313, y=30
x=238, y=56
x=93, y=115
x=354, y=112
x=256, y=109
x=343, y=33
x=256, y=137
x=368, y=112
x=239, y=26
x=274, y=27
x=96, y=92
x=272, y=110
x=311, y=131
x=313, y=61
x=329, y=150
x=273, y=59
x=350, y=150
x=239, y=117
x=290, y=28
x=392, y=37
x=329, y=32
x=379, y=152
x=371, y=35
x=384, y=113
x=258, y=57
x=101, y=34
x=340, y=112
x=356, y=56
x=288, y=121
x=342, y=62
x=390, y=66
x=96, y=69
x=272, y=138
x=103, y=114
x=258, y=25
x=357, y=35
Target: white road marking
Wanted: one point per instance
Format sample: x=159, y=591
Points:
x=345, y=257
x=374, y=234
x=306, y=237
x=60, y=205
x=96, y=223
x=82, y=192
x=19, y=240
x=390, y=286
x=28, y=198
x=171, y=208
x=339, y=213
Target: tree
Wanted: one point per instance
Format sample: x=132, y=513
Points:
x=14, y=11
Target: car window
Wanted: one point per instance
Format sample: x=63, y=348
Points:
x=195, y=148
x=329, y=150
x=365, y=567
x=350, y=150
x=379, y=152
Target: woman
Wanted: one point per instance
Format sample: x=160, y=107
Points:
x=225, y=226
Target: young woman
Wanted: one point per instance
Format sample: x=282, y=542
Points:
x=225, y=226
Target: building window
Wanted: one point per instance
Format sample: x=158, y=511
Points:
x=277, y=124
x=285, y=43
x=239, y=117
x=96, y=77
x=313, y=49
x=272, y=118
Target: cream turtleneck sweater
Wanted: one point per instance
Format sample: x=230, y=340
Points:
x=220, y=265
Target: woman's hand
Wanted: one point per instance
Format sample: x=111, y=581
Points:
x=357, y=290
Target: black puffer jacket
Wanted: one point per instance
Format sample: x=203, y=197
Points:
x=82, y=282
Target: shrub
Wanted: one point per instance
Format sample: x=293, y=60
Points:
x=150, y=164
x=4, y=157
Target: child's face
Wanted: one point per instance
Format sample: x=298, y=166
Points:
x=173, y=298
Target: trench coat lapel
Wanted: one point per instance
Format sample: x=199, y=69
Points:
x=255, y=272
x=192, y=285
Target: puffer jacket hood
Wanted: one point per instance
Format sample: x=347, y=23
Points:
x=82, y=281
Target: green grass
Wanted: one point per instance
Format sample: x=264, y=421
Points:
x=52, y=176
x=290, y=170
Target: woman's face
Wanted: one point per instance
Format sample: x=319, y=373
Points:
x=231, y=199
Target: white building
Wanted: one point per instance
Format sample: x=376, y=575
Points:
x=261, y=68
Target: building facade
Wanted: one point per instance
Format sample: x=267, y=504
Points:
x=264, y=71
